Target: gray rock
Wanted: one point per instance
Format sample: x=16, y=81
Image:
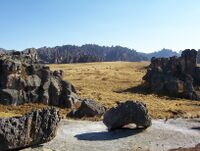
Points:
x=24, y=79
x=33, y=81
x=174, y=76
x=36, y=127
x=54, y=91
x=9, y=97
x=126, y=113
x=88, y=108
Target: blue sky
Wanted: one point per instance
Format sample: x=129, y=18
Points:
x=144, y=25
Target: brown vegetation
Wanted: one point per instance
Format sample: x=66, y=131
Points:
x=109, y=82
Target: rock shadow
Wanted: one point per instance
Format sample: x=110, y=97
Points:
x=143, y=89
x=196, y=128
x=109, y=135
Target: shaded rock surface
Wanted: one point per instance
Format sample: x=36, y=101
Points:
x=87, y=108
x=24, y=79
x=126, y=113
x=175, y=76
x=36, y=127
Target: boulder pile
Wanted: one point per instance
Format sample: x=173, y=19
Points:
x=24, y=79
x=175, y=76
x=129, y=112
x=36, y=127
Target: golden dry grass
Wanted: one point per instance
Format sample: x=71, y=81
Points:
x=11, y=111
x=106, y=81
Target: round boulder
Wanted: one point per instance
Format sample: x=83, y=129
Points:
x=127, y=113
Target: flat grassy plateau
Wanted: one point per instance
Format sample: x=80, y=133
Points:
x=110, y=82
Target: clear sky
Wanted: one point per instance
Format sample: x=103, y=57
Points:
x=144, y=25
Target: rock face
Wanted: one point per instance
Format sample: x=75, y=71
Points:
x=127, y=113
x=23, y=79
x=87, y=53
x=88, y=108
x=36, y=127
x=175, y=76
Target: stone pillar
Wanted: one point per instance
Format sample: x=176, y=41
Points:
x=189, y=61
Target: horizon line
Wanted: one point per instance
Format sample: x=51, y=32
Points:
x=80, y=45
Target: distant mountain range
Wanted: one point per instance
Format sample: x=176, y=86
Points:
x=2, y=50
x=164, y=53
x=88, y=53
x=94, y=53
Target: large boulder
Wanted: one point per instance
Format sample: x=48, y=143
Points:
x=88, y=108
x=129, y=112
x=24, y=79
x=174, y=76
x=36, y=127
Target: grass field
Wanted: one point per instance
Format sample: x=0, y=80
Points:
x=109, y=82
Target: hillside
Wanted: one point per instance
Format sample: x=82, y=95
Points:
x=88, y=53
x=94, y=53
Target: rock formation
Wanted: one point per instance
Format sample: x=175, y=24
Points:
x=175, y=76
x=88, y=53
x=126, y=113
x=88, y=108
x=36, y=127
x=23, y=79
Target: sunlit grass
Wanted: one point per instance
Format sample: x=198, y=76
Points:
x=105, y=82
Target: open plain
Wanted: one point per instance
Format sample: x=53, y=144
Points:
x=110, y=82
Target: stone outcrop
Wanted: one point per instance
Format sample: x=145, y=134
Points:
x=24, y=79
x=127, y=113
x=88, y=108
x=36, y=127
x=175, y=76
